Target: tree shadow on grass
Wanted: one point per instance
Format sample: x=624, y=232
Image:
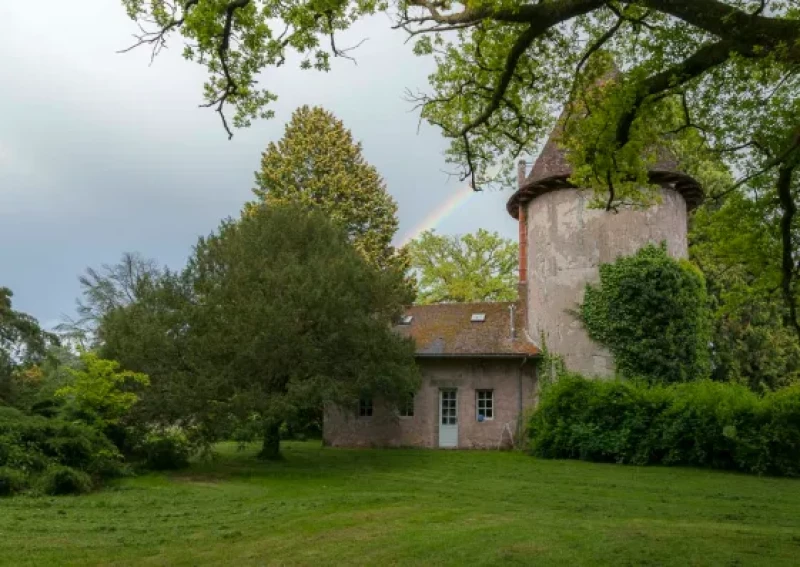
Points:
x=308, y=459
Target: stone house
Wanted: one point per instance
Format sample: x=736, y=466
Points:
x=478, y=375
x=478, y=360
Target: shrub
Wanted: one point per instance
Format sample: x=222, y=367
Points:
x=59, y=480
x=168, y=450
x=703, y=423
x=34, y=445
x=8, y=412
x=11, y=481
x=651, y=311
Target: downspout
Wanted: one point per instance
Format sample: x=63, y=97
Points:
x=519, y=401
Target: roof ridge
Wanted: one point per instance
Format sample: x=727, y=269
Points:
x=462, y=303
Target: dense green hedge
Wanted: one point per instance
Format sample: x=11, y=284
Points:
x=703, y=423
x=52, y=455
x=651, y=311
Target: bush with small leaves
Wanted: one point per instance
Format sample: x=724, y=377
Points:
x=59, y=480
x=35, y=447
x=169, y=450
x=11, y=481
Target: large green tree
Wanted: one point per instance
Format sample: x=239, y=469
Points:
x=275, y=314
x=319, y=165
x=723, y=74
x=472, y=267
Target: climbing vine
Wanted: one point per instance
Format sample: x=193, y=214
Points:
x=651, y=311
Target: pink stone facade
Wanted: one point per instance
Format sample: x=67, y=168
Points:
x=513, y=386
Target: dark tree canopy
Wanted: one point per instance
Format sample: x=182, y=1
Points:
x=275, y=314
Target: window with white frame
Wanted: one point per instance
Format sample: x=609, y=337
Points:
x=485, y=401
x=365, y=407
x=407, y=406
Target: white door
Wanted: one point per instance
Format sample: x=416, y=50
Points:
x=448, y=418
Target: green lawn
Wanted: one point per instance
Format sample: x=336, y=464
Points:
x=330, y=506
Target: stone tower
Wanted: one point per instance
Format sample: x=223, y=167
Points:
x=563, y=242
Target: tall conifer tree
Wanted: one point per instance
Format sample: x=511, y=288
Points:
x=318, y=164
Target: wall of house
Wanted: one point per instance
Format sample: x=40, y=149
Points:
x=567, y=241
x=343, y=428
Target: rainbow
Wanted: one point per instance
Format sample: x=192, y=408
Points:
x=432, y=219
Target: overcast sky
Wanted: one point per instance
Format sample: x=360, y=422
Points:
x=101, y=153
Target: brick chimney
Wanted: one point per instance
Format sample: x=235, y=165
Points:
x=522, y=284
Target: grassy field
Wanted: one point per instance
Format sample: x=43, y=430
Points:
x=330, y=506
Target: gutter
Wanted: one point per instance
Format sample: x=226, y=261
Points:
x=478, y=355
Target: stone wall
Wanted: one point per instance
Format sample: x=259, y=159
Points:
x=567, y=241
x=343, y=428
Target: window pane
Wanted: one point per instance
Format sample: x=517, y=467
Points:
x=484, y=404
x=365, y=407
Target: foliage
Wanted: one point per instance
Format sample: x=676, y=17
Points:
x=275, y=315
x=101, y=394
x=11, y=481
x=149, y=336
x=32, y=445
x=702, y=423
x=321, y=334
x=23, y=345
x=165, y=450
x=412, y=506
x=468, y=268
x=59, y=480
x=753, y=339
x=651, y=311
x=318, y=165
x=729, y=63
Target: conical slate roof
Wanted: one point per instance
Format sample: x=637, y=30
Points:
x=551, y=171
x=552, y=161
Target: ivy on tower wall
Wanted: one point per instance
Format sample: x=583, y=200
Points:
x=651, y=311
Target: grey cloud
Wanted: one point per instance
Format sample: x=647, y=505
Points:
x=101, y=153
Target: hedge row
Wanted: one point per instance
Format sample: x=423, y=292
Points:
x=703, y=423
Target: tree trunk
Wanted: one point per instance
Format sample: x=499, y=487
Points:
x=271, y=449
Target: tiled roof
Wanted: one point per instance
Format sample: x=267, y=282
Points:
x=447, y=329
